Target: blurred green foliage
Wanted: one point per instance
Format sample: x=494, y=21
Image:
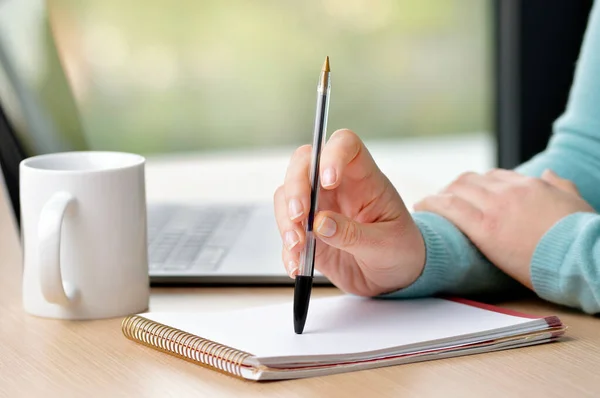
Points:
x=159, y=75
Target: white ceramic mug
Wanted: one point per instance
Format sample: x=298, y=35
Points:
x=83, y=223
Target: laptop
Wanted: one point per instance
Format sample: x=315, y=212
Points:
x=188, y=243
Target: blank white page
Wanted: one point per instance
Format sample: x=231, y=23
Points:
x=338, y=325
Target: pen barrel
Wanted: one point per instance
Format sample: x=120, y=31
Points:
x=307, y=257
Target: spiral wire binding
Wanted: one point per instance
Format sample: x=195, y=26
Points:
x=184, y=345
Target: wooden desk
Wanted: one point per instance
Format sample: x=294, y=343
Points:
x=48, y=358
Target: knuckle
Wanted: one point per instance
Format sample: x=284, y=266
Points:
x=573, y=187
x=465, y=176
x=343, y=147
x=478, y=217
x=489, y=223
x=345, y=134
x=286, y=257
x=454, y=185
x=350, y=234
x=448, y=201
x=516, y=191
x=348, y=139
x=490, y=220
x=494, y=172
x=530, y=187
x=462, y=180
x=532, y=182
x=302, y=151
x=444, y=201
x=278, y=194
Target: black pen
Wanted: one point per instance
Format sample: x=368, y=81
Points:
x=304, y=278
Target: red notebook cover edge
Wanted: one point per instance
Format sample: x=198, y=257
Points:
x=552, y=321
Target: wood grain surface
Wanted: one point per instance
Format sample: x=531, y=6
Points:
x=53, y=358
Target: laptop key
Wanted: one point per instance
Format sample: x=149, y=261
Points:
x=184, y=256
x=209, y=259
x=193, y=237
x=161, y=249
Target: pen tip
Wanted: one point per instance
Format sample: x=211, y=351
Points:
x=326, y=65
x=302, y=290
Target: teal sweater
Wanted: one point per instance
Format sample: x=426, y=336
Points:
x=565, y=268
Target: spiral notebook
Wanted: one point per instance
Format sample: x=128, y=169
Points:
x=343, y=333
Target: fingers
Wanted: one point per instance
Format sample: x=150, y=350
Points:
x=361, y=240
x=472, y=185
x=290, y=261
x=297, y=184
x=548, y=176
x=561, y=183
x=506, y=175
x=291, y=232
x=457, y=210
x=344, y=155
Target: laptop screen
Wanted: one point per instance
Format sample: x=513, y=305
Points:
x=34, y=118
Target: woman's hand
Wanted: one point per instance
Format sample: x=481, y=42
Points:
x=367, y=241
x=505, y=214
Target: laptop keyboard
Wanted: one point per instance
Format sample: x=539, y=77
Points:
x=186, y=238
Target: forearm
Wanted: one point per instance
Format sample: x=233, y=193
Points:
x=571, y=276
x=453, y=264
x=565, y=267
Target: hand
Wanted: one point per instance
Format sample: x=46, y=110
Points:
x=367, y=241
x=505, y=214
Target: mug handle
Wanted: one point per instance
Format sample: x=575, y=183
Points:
x=54, y=289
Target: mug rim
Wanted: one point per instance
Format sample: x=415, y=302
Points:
x=129, y=160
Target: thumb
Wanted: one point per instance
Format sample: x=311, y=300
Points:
x=361, y=240
x=561, y=183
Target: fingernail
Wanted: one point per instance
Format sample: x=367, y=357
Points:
x=327, y=227
x=295, y=208
x=292, y=269
x=329, y=177
x=291, y=239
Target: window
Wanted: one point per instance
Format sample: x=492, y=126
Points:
x=412, y=77
x=154, y=75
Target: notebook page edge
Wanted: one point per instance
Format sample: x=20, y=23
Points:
x=280, y=374
x=536, y=326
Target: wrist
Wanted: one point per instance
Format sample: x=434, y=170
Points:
x=430, y=270
x=416, y=253
x=409, y=254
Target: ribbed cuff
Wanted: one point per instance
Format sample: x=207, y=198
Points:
x=436, y=275
x=550, y=253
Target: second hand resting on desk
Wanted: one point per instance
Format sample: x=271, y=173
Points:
x=303, y=284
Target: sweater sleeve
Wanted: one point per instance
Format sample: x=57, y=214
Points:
x=565, y=268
